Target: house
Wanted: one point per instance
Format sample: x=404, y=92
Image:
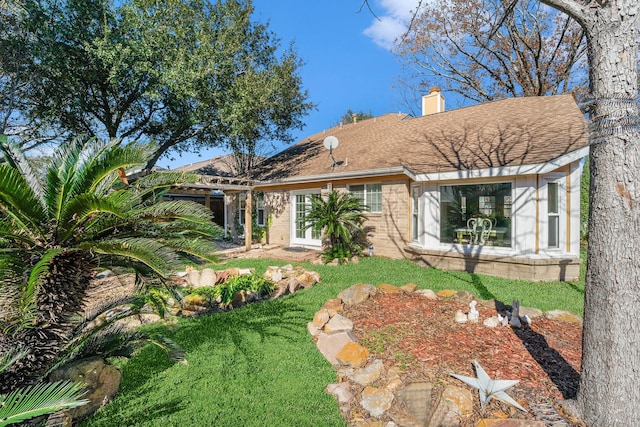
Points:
x=491, y=188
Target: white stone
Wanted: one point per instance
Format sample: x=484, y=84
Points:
x=461, y=317
x=491, y=322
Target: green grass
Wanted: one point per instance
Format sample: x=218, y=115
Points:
x=258, y=366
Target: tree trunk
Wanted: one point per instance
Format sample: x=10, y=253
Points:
x=609, y=394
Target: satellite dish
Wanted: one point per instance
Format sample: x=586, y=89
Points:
x=330, y=142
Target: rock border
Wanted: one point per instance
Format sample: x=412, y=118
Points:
x=364, y=385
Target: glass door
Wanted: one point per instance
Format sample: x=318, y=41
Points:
x=300, y=236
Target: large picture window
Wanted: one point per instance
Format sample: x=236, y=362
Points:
x=477, y=214
x=370, y=195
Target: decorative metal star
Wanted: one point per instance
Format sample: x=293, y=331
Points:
x=489, y=388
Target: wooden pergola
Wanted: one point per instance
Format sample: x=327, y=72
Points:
x=207, y=184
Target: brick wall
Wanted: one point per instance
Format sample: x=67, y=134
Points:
x=388, y=231
x=279, y=207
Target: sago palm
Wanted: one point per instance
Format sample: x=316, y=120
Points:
x=42, y=399
x=82, y=213
x=340, y=217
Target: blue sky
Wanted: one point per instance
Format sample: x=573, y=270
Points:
x=346, y=51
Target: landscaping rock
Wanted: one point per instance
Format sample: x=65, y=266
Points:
x=509, y=422
x=531, y=312
x=340, y=390
x=388, y=289
x=314, y=331
x=455, y=403
x=364, y=376
x=321, y=317
x=353, y=355
x=416, y=398
x=491, y=322
x=331, y=344
x=308, y=278
x=427, y=293
x=565, y=316
x=338, y=323
x=273, y=274
x=357, y=294
x=446, y=293
x=333, y=306
x=463, y=297
x=102, y=382
x=376, y=400
x=409, y=287
x=208, y=277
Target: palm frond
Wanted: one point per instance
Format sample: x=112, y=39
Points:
x=30, y=290
x=11, y=357
x=83, y=208
x=175, y=352
x=42, y=399
x=150, y=252
x=161, y=180
x=16, y=158
x=200, y=248
x=60, y=176
x=19, y=203
x=103, y=168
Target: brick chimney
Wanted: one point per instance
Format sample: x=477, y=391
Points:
x=433, y=103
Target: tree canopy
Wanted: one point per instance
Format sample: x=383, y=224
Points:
x=476, y=49
x=184, y=74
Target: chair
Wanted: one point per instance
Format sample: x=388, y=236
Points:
x=480, y=229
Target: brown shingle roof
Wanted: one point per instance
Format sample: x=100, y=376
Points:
x=509, y=132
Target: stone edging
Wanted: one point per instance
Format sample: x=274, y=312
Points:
x=377, y=386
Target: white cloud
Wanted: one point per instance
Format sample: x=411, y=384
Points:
x=394, y=16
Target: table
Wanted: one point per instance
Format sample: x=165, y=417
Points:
x=497, y=232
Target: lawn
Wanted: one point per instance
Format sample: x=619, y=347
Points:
x=258, y=365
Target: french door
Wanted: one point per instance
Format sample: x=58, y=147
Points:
x=300, y=206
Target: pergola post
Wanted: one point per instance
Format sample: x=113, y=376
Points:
x=248, y=208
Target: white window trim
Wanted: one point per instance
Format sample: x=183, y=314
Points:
x=295, y=241
x=366, y=199
x=543, y=237
x=416, y=206
x=242, y=197
x=498, y=250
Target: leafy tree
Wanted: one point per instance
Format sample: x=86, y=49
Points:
x=55, y=229
x=43, y=399
x=472, y=48
x=186, y=74
x=340, y=217
x=351, y=116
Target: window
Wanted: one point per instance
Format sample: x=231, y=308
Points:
x=260, y=209
x=370, y=195
x=553, y=212
x=476, y=214
x=415, y=213
x=258, y=206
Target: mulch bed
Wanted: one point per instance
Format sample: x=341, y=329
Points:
x=421, y=336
